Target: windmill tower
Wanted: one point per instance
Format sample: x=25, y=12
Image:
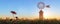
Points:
x=41, y=15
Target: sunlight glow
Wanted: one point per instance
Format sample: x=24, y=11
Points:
x=47, y=13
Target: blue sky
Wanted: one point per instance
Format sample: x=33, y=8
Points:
x=28, y=8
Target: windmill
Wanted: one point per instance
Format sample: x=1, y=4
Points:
x=41, y=6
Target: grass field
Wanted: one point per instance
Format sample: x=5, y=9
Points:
x=11, y=21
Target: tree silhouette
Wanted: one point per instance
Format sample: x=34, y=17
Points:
x=13, y=12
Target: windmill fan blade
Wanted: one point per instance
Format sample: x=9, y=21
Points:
x=48, y=6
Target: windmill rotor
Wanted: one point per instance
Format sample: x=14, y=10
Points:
x=41, y=5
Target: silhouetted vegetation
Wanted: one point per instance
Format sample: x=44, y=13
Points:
x=11, y=21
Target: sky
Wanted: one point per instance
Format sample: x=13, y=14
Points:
x=29, y=9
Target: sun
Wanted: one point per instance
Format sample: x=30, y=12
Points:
x=47, y=14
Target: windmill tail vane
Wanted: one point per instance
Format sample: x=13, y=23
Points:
x=48, y=6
